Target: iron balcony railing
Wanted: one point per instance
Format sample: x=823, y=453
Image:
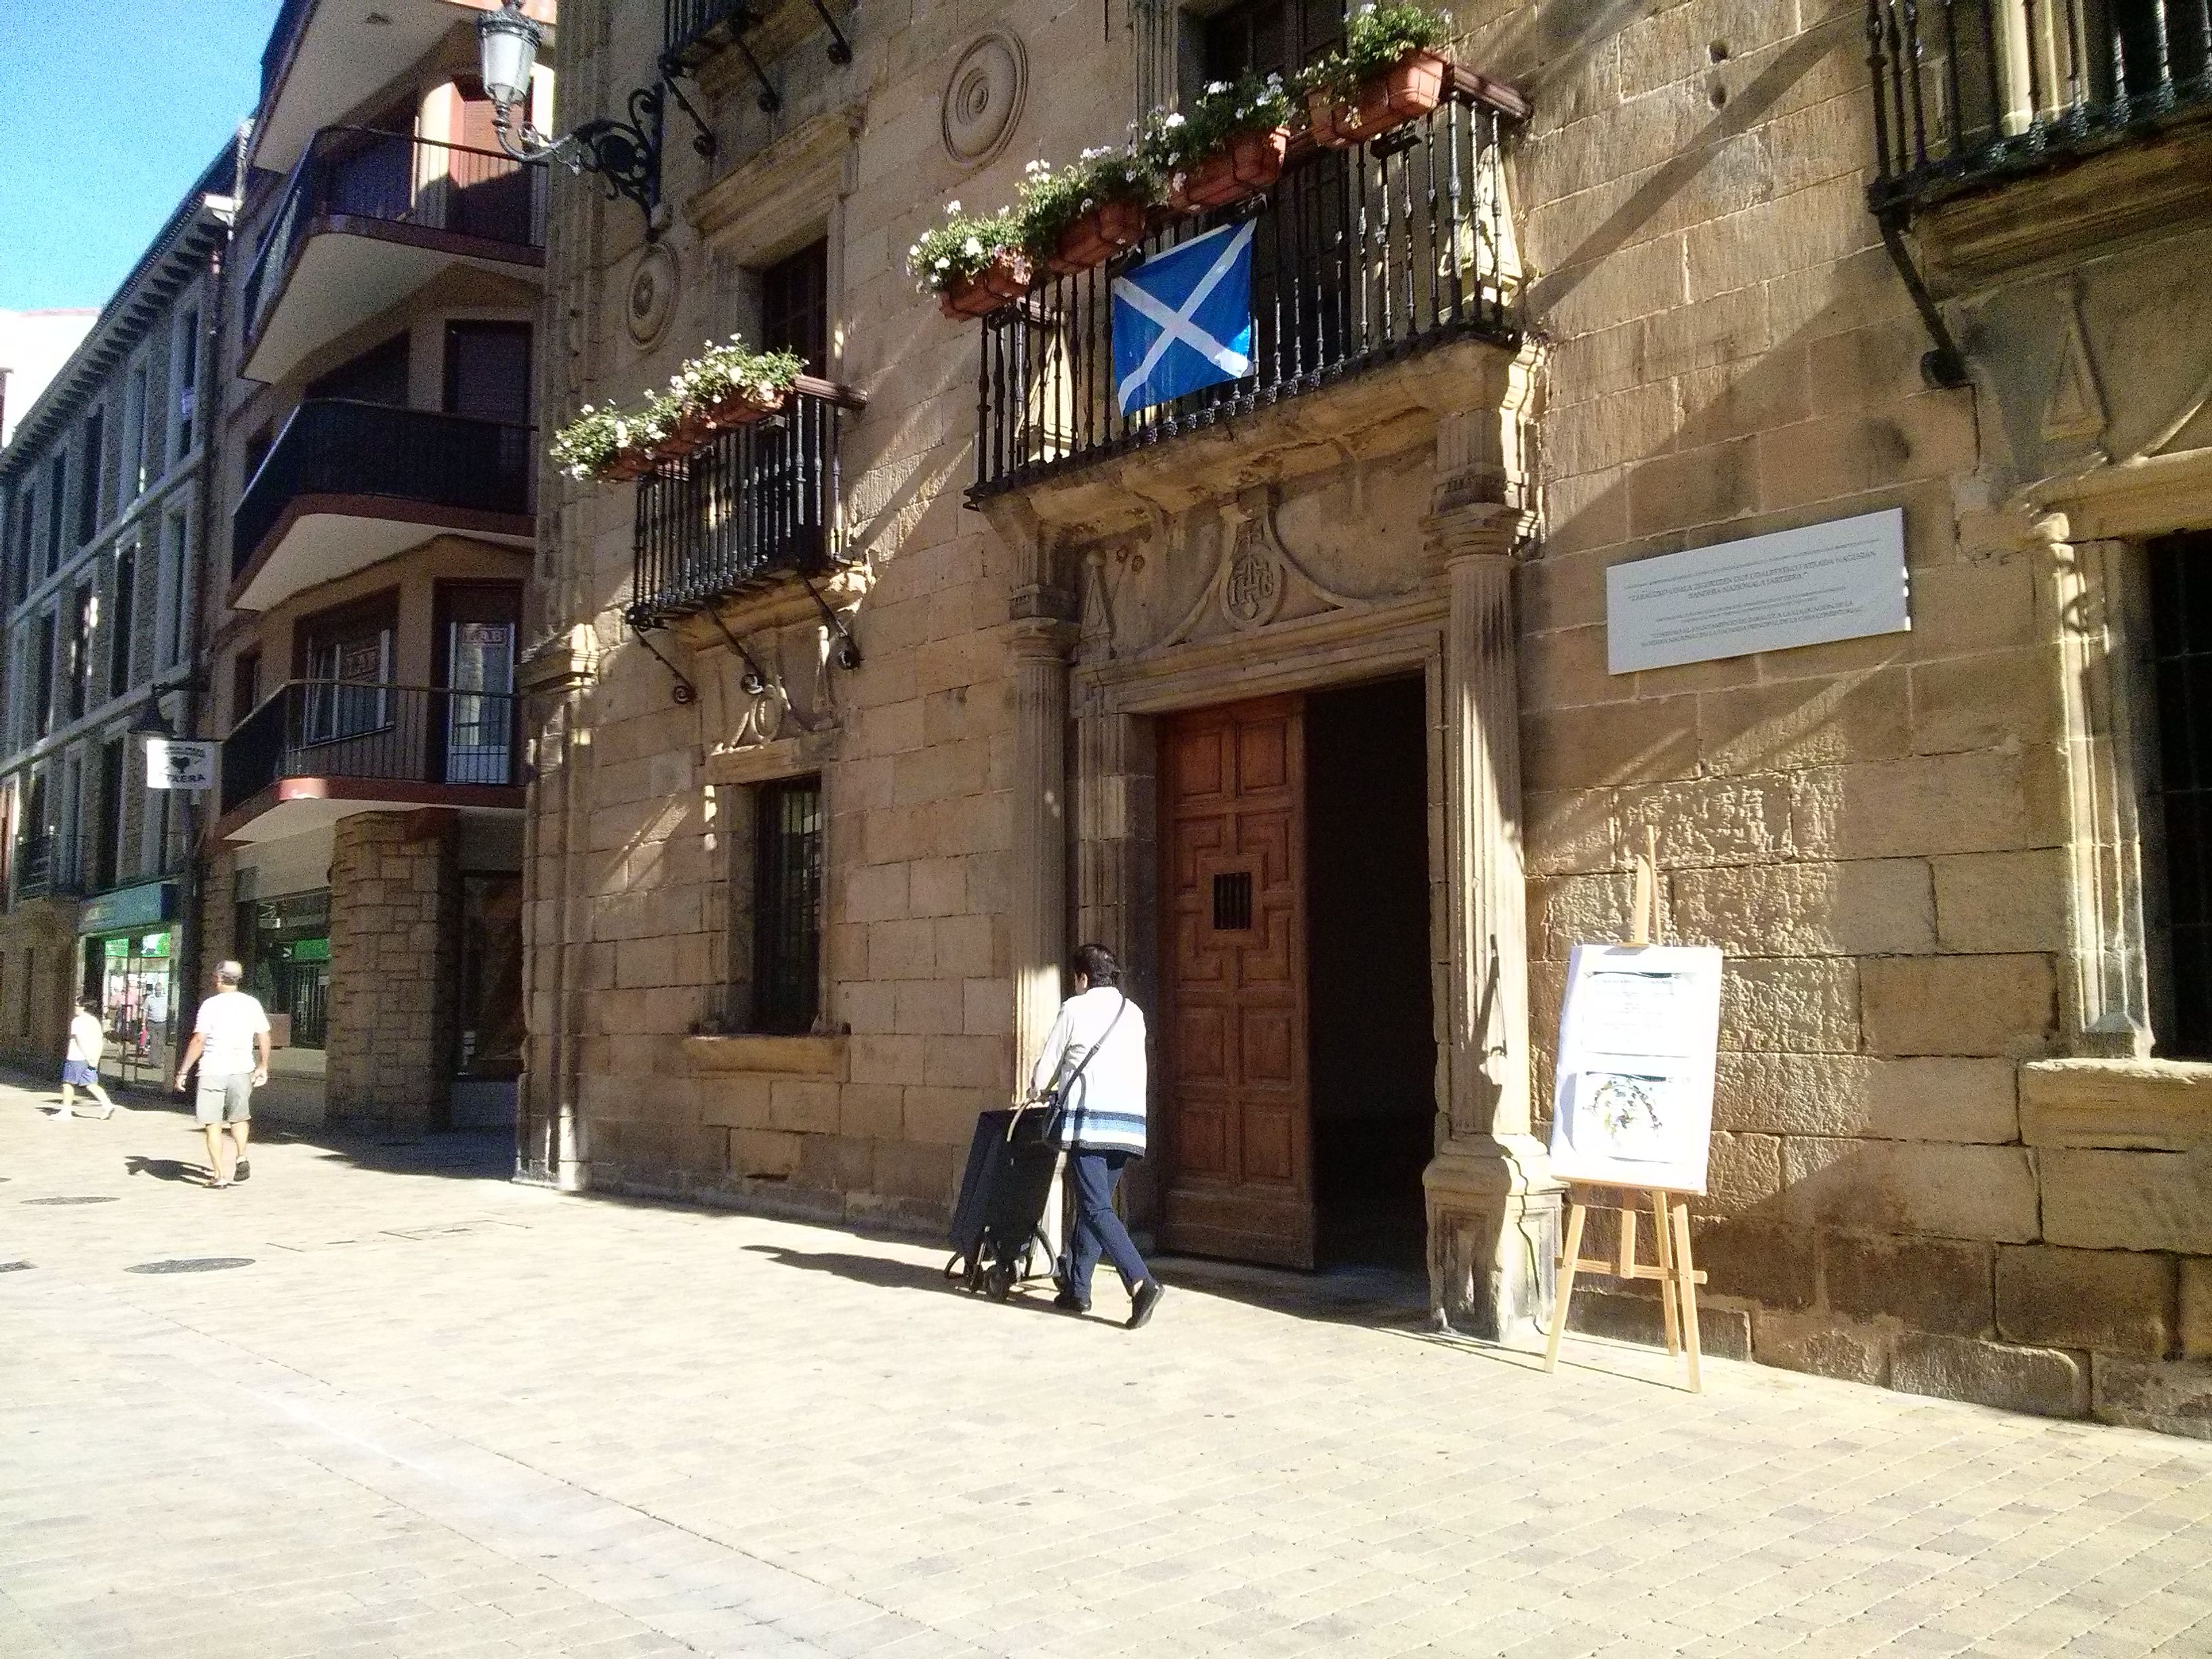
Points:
x=692, y=30
x=1359, y=256
x=757, y=503
x=389, y=733
x=1969, y=91
x=332, y=447
x=396, y=179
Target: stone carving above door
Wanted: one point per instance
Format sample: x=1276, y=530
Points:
x=794, y=695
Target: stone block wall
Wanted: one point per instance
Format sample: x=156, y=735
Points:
x=395, y=961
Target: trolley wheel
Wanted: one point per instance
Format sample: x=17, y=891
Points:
x=998, y=1281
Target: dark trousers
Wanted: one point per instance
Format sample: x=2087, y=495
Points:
x=1097, y=1230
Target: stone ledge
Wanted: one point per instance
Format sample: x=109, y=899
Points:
x=2140, y=1105
x=786, y=1056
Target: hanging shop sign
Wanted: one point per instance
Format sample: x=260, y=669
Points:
x=1839, y=581
x=147, y=905
x=176, y=763
x=1633, y=1101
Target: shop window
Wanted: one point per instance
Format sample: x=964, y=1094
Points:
x=491, y=976
x=2181, y=659
x=786, y=907
x=284, y=945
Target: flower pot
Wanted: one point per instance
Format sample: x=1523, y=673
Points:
x=626, y=464
x=1097, y=236
x=1245, y=165
x=742, y=407
x=1006, y=278
x=1410, y=87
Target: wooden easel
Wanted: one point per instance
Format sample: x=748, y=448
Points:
x=1678, y=1276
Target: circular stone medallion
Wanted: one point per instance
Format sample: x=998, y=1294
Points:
x=650, y=305
x=983, y=98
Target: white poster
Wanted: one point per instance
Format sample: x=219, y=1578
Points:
x=1836, y=581
x=173, y=763
x=1633, y=1103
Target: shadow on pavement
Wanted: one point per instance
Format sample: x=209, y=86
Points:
x=1344, y=1295
x=167, y=1169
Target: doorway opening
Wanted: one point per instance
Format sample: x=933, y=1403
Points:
x=1371, y=1054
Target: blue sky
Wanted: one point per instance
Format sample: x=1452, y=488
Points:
x=90, y=167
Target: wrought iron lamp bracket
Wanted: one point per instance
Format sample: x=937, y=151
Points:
x=624, y=156
x=683, y=693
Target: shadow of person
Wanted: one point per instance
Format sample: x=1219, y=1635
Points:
x=886, y=1272
x=167, y=1169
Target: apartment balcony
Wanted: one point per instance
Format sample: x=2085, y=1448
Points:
x=758, y=505
x=1360, y=258
x=2090, y=114
x=369, y=217
x=317, y=750
x=694, y=32
x=348, y=484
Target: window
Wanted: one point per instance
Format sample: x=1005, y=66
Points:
x=19, y=563
x=258, y=445
x=488, y=371
x=42, y=672
x=187, y=380
x=169, y=595
x=126, y=606
x=379, y=375
x=245, y=684
x=346, y=658
x=84, y=624
x=135, y=417
x=787, y=922
x=57, y=496
x=108, y=847
x=1264, y=37
x=284, y=945
x=2181, y=665
x=90, y=468
x=795, y=306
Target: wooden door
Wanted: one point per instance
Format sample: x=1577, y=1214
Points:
x=1239, y=1178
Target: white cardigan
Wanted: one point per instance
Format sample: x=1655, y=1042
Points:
x=1106, y=1111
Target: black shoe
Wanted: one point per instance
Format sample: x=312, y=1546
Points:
x=1142, y=1303
x=1066, y=1299
x=243, y=1170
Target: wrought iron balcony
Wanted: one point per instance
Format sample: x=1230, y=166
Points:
x=370, y=461
x=1360, y=256
x=1967, y=93
x=373, y=743
x=693, y=31
x=758, y=503
x=43, y=869
x=423, y=203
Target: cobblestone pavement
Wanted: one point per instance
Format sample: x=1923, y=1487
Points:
x=436, y=1413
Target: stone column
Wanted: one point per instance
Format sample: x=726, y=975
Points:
x=1492, y=1205
x=1039, y=648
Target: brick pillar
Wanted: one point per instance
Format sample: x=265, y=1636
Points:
x=395, y=969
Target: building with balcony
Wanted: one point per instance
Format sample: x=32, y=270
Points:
x=1312, y=694
x=379, y=511
x=105, y=502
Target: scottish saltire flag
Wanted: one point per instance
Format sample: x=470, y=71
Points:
x=1182, y=320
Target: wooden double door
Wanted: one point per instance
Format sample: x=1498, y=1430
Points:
x=1235, y=1115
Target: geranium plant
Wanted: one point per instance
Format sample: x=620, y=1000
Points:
x=1052, y=203
x=1376, y=38
x=958, y=251
x=1218, y=114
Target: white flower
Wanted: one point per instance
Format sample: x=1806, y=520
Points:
x=1175, y=120
x=1215, y=88
x=952, y=207
x=973, y=247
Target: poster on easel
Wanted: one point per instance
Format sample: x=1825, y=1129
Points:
x=1632, y=1104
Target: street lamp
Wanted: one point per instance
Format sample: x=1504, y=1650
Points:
x=624, y=154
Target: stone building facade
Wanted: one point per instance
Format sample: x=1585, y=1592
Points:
x=1303, y=704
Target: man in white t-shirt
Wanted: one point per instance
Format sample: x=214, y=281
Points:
x=230, y=1041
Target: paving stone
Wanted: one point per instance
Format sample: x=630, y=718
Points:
x=545, y=1426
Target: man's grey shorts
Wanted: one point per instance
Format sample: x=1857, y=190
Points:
x=225, y=1099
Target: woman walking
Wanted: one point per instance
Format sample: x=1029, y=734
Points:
x=1097, y=1044
x=80, y=1070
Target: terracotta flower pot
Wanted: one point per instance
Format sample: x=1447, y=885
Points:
x=741, y=408
x=1097, y=236
x=1006, y=278
x=1247, y=164
x=626, y=464
x=1409, y=89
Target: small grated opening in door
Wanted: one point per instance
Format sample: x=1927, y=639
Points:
x=1232, y=901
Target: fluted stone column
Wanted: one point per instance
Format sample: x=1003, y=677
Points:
x=1039, y=648
x=1492, y=1204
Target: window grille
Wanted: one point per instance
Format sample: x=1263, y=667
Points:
x=2181, y=659
x=787, y=906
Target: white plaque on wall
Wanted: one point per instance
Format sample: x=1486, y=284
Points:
x=1837, y=580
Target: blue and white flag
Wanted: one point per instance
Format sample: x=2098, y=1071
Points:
x=1182, y=320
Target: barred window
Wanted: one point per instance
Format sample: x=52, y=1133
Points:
x=2181, y=665
x=787, y=919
